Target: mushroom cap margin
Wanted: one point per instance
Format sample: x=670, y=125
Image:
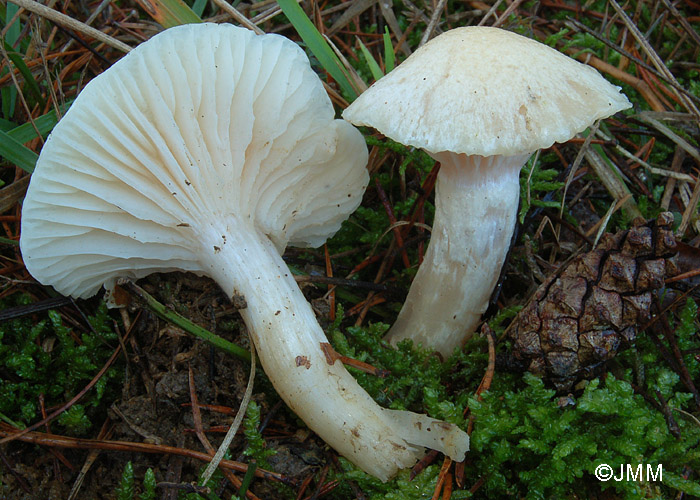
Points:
x=140, y=159
x=486, y=91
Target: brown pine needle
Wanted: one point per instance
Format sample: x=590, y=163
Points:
x=332, y=356
x=68, y=22
x=57, y=441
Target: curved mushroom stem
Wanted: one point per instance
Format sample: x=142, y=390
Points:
x=476, y=202
x=288, y=340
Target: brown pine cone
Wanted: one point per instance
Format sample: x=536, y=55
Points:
x=581, y=316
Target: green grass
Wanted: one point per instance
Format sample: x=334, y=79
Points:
x=317, y=45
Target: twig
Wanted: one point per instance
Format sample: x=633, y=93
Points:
x=330, y=280
x=574, y=166
x=105, y=433
x=442, y=477
x=69, y=22
x=478, y=484
x=690, y=210
x=602, y=224
x=671, y=423
x=392, y=220
x=683, y=21
x=491, y=12
x=437, y=11
x=234, y=13
x=148, y=436
x=485, y=384
x=426, y=188
x=612, y=182
x=678, y=157
x=12, y=193
x=651, y=120
x=427, y=459
x=42, y=305
x=199, y=431
x=353, y=9
x=506, y=13
x=655, y=59
x=682, y=371
x=386, y=264
x=331, y=290
x=90, y=444
x=218, y=458
x=385, y=7
x=332, y=356
x=577, y=25
x=447, y=487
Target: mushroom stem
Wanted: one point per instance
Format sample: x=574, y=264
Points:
x=476, y=202
x=288, y=341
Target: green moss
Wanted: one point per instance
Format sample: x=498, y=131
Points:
x=256, y=448
x=49, y=359
x=533, y=448
x=417, y=381
x=537, y=186
x=127, y=486
x=527, y=441
x=400, y=488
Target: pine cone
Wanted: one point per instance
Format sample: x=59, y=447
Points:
x=581, y=316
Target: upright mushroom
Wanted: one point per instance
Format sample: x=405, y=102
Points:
x=480, y=101
x=209, y=149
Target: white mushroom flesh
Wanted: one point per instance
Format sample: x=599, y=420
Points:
x=208, y=149
x=476, y=204
x=483, y=98
x=329, y=400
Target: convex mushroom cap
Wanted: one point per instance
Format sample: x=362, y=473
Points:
x=480, y=101
x=209, y=149
x=486, y=91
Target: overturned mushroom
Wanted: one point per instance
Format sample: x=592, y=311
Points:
x=209, y=149
x=480, y=101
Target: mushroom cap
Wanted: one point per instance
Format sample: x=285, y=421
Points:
x=486, y=91
x=201, y=122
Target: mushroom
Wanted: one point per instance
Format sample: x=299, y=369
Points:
x=208, y=149
x=480, y=101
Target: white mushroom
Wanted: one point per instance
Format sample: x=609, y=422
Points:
x=209, y=149
x=480, y=101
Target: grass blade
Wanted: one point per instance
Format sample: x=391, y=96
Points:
x=316, y=44
x=7, y=125
x=13, y=31
x=26, y=74
x=12, y=146
x=9, y=94
x=16, y=152
x=371, y=62
x=8, y=241
x=180, y=321
x=389, y=55
x=44, y=123
x=247, y=479
x=169, y=13
x=198, y=7
x=9, y=98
